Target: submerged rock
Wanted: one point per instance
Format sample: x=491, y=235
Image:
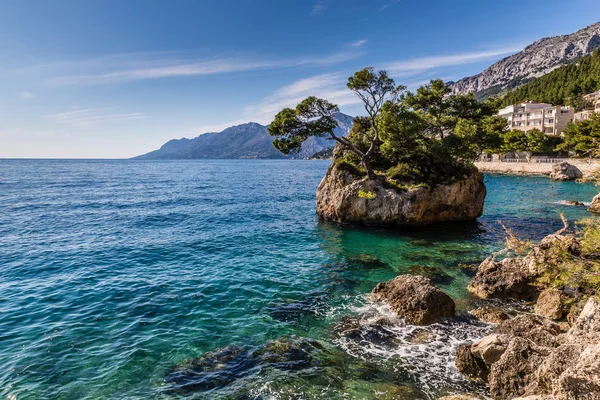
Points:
x=595, y=206
x=574, y=203
x=415, y=299
x=492, y=315
x=565, y=172
x=436, y=275
x=346, y=198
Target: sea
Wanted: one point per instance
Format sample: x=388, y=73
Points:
x=214, y=279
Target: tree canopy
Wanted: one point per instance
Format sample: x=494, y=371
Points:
x=429, y=137
x=583, y=138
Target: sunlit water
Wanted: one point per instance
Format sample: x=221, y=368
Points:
x=116, y=276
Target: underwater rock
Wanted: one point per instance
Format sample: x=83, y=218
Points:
x=292, y=310
x=436, y=275
x=565, y=172
x=415, y=299
x=492, y=315
x=574, y=203
x=339, y=199
x=550, y=304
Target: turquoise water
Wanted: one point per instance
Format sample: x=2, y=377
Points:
x=116, y=275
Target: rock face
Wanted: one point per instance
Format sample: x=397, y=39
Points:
x=529, y=356
x=535, y=60
x=415, y=299
x=595, y=206
x=346, y=198
x=511, y=277
x=565, y=172
x=550, y=304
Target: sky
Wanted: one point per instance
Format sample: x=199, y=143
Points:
x=118, y=78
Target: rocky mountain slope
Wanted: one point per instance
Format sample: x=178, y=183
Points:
x=249, y=140
x=535, y=60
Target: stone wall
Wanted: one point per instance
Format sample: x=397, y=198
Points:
x=533, y=168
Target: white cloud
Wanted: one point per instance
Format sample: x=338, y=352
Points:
x=26, y=95
x=318, y=8
x=424, y=63
x=359, y=43
x=389, y=4
x=123, y=68
x=91, y=116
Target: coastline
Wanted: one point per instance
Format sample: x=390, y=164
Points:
x=535, y=169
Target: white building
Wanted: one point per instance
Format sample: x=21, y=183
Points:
x=544, y=117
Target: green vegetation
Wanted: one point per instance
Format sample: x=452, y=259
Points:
x=575, y=263
x=583, y=137
x=565, y=85
x=366, y=195
x=428, y=137
x=533, y=141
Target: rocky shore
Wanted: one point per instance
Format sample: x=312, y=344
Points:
x=344, y=197
x=588, y=170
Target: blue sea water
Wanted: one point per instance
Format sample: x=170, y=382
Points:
x=123, y=279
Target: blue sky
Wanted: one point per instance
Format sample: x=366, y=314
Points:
x=111, y=79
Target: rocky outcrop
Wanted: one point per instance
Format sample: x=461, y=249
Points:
x=535, y=60
x=508, y=278
x=565, y=172
x=529, y=356
x=550, y=304
x=415, y=299
x=595, y=206
x=344, y=197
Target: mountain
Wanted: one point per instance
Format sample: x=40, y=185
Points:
x=249, y=140
x=535, y=60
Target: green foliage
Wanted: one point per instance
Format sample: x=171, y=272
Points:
x=291, y=127
x=564, y=85
x=583, y=137
x=366, y=195
x=579, y=267
x=534, y=141
x=430, y=137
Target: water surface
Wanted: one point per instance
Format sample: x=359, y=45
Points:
x=114, y=275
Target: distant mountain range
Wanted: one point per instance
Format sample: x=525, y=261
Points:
x=251, y=141
x=534, y=61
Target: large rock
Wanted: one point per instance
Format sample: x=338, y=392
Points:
x=550, y=304
x=471, y=366
x=490, y=348
x=509, y=278
x=595, y=206
x=565, y=172
x=344, y=197
x=415, y=299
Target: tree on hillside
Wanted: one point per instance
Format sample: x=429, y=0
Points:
x=583, y=137
x=314, y=117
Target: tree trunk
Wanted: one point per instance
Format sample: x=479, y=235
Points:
x=367, y=165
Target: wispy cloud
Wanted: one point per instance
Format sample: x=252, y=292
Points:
x=91, y=116
x=388, y=5
x=26, y=95
x=359, y=43
x=424, y=63
x=112, y=70
x=318, y=8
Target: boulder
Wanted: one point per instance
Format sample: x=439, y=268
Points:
x=514, y=371
x=565, y=172
x=472, y=367
x=538, y=330
x=509, y=278
x=574, y=203
x=490, y=348
x=595, y=206
x=550, y=304
x=346, y=198
x=491, y=315
x=587, y=325
x=415, y=299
